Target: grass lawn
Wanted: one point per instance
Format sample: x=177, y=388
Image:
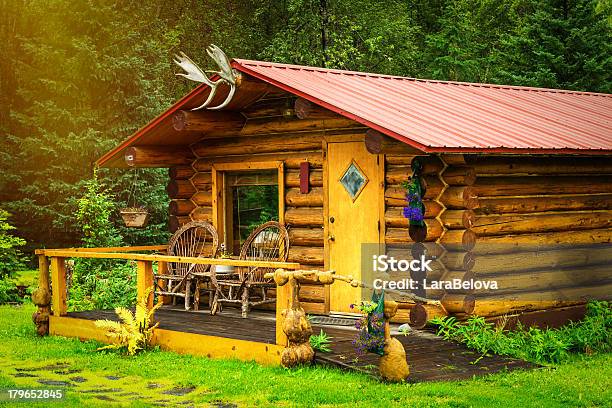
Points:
x=157, y=377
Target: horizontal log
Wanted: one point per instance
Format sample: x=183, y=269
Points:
x=459, y=176
x=292, y=178
x=181, y=172
x=306, y=236
x=202, y=214
x=547, y=279
x=486, y=225
x=496, y=305
x=396, y=175
x=312, y=293
x=500, y=205
x=314, y=198
x=378, y=143
x=290, y=160
x=394, y=218
x=267, y=107
x=394, y=235
x=158, y=156
x=258, y=144
x=207, y=121
x=202, y=181
x=304, y=216
x=460, y=260
x=203, y=198
x=181, y=207
x=545, y=259
x=304, y=109
x=180, y=189
x=453, y=159
x=541, y=185
x=414, y=250
x=458, y=240
x=306, y=255
x=428, y=164
x=459, y=198
x=421, y=314
x=571, y=165
x=399, y=159
x=276, y=125
x=541, y=241
x=175, y=222
x=458, y=303
x=458, y=219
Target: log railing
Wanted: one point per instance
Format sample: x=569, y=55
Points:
x=52, y=263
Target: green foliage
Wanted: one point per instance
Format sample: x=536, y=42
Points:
x=11, y=258
x=135, y=331
x=593, y=334
x=321, y=342
x=93, y=215
x=87, y=75
x=98, y=283
x=8, y=292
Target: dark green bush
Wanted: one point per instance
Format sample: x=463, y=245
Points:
x=11, y=258
x=8, y=292
x=593, y=334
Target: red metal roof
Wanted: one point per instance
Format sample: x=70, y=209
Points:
x=433, y=116
x=443, y=116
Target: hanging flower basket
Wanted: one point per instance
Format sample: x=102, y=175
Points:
x=135, y=217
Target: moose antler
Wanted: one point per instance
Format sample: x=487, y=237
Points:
x=227, y=74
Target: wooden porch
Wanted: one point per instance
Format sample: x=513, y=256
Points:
x=260, y=337
x=228, y=335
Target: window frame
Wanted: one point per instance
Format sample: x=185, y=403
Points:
x=218, y=190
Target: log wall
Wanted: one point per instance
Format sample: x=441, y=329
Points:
x=539, y=226
x=269, y=136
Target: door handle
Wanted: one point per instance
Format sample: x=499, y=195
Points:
x=331, y=238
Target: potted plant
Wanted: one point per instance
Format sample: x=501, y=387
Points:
x=135, y=217
x=415, y=209
x=371, y=326
x=224, y=254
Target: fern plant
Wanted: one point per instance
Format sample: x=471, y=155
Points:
x=321, y=342
x=134, y=332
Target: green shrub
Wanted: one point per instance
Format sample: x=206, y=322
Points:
x=11, y=258
x=100, y=283
x=8, y=292
x=321, y=342
x=593, y=334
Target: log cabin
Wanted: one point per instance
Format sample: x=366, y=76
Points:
x=517, y=181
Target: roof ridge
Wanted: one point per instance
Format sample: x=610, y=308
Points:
x=438, y=81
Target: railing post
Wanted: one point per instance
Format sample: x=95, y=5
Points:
x=42, y=297
x=162, y=269
x=58, y=285
x=144, y=280
x=283, y=297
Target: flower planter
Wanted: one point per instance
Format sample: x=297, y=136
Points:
x=135, y=217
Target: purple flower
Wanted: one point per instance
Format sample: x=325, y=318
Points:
x=413, y=213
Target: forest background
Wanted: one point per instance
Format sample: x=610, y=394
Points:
x=78, y=77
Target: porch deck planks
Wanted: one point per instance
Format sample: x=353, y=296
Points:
x=430, y=358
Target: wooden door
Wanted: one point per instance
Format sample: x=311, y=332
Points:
x=354, y=199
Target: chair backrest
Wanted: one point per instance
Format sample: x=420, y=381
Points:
x=268, y=242
x=194, y=239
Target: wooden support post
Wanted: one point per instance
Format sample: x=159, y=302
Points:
x=43, y=273
x=162, y=269
x=58, y=282
x=144, y=280
x=283, y=297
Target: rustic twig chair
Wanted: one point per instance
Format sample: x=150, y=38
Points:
x=248, y=287
x=194, y=239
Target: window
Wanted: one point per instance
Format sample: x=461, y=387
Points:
x=249, y=194
x=251, y=199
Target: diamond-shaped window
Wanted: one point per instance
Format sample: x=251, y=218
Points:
x=353, y=180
